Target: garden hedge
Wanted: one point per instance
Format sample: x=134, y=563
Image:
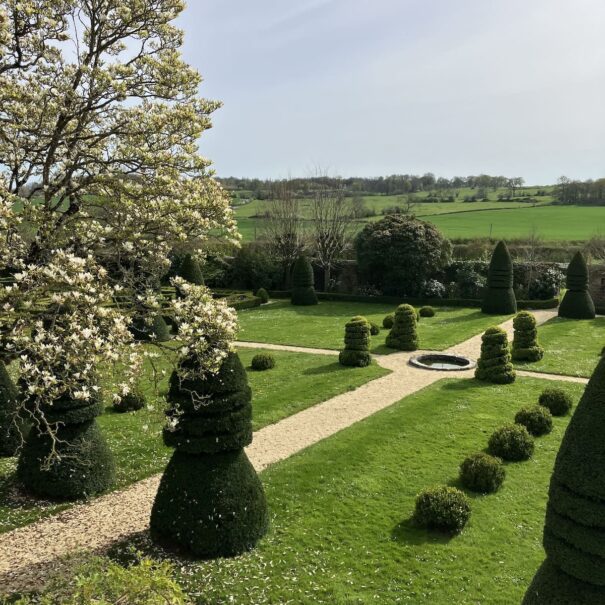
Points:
x=210, y=501
x=574, y=531
x=494, y=364
x=499, y=297
x=303, y=292
x=525, y=340
x=191, y=271
x=12, y=428
x=357, y=343
x=403, y=335
x=577, y=302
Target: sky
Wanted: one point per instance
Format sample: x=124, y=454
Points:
x=378, y=87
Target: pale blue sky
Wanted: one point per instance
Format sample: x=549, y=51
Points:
x=375, y=87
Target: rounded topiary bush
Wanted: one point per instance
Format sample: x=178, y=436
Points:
x=303, y=292
x=443, y=508
x=426, y=312
x=12, y=427
x=131, y=402
x=558, y=402
x=499, y=297
x=403, y=335
x=494, y=364
x=263, y=295
x=374, y=329
x=511, y=442
x=577, y=302
x=388, y=321
x=482, y=473
x=537, y=419
x=190, y=270
x=263, y=361
x=357, y=343
x=210, y=501
x=146, y=329
x=525, y=340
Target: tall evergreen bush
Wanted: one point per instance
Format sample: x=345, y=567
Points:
x=357, y=343
x=494, y=364
x=574, y=531
x=210, y=501
x=577, y=302
x=403, y=334
x=303, y=291
x=499, y=297
x=191, y=271
x=525, y=340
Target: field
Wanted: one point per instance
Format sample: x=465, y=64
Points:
x=341, y=529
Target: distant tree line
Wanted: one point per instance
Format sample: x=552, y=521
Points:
x=588, y=193
x=396, y=184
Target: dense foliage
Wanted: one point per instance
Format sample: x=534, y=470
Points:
x=133, y=401
x=190, y=270
x=443, y=508
x=499, y=296
x=494, y=364
x=574, y=531
x=357, y=343
x=403, y=335
x=426, y=312
x=398, y=254
x=388, y=321
x=537, y=419
x=210, y=501
x=482, y=473
x=262, y=361
x=557, y=401
x=577, y=302
x=303, y=290
x=11, y=422
x=525, y=339
x=263, y=295
x=511, y=442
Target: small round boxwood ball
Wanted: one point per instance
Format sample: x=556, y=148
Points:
x=511, y=442
x=262, y=362
x=537, y=419
x=557, y=401
x=427, y=312
x=443, y=508
x=482, y=473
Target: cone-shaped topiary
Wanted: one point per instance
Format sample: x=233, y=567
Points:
x=12, y=428
x=83, y=465
x=525, y=340
x=577, y=302
x=499, y=297
x=574, y=531
x=303, y=292
x=403, y=334
x=144, y=330
x=495, y=365
x=210, y=501
x=190, y=270
x=357, y=343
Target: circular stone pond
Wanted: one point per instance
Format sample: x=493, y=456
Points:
x=442, y=362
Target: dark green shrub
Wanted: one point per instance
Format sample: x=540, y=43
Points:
x=482, y=473
x=254, y=267
x=443, y=508
x=525, y=340
x=388, y=321
x=191, y=271
x=303, y=292
x=262, y=362
x=145, y=329
x=558, y=402
x=511, y=442
x=499, y=297
x=403, y=335
x=263, y=295
x=398, y=254
x=577, y=302
x=374, y=329
x=574, y=530
x=426, y=312
x=12, y=427
x=210, y=501
x=536, y=419
x=357, y=343
x=132, y=402
x=495, y=365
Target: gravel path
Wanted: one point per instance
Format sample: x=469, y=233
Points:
x=27, y=553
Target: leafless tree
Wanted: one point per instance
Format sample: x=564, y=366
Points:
x=332, y=215
x=284, y=226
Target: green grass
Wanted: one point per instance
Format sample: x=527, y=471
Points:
x=322, y=326
x=341, y=510
x=571, y=346
x=298, y=381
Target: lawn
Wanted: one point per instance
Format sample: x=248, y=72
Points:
x=341, y=530
x=322, y=326
x=571, y=346
x=135, y=439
